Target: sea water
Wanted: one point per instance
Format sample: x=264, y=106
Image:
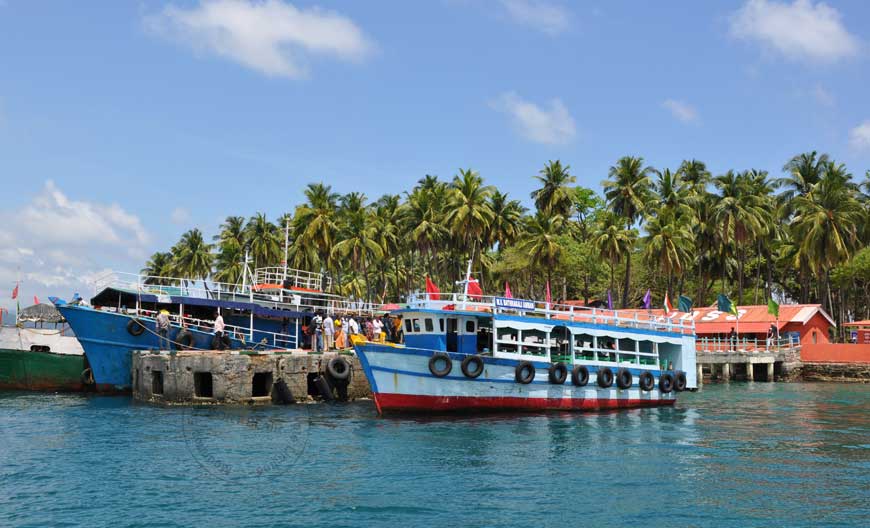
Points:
x=744, y=454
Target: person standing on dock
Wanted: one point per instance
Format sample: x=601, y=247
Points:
x=732, y=337
x=163, y=329
x=317, y=336
x=353, y=326
x=328, y=333
x=377, y=328
x=219, y=328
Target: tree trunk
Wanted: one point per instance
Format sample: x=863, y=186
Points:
x=627, y=281
x=740, y=258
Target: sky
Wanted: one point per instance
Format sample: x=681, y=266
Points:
x=124, y=124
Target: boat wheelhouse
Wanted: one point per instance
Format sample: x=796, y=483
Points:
x=463, y=353
x=269, y=310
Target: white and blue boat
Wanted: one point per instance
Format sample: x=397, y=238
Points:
x=268, y=311
x=505, y=354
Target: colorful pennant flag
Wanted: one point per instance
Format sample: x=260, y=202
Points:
x=668, y=306
x=432, y=289
x=684, y=304
x=35, y=299
x=609, y=301
x=773, y=308
x=724, y=304
x=507, y=291
x=548, y=299
x=474, y=290
x=15, y=292
x=647, y=299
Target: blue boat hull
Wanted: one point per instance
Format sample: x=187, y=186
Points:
x=108, y=345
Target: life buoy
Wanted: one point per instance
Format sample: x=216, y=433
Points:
x=135, y=327
x=646, y=381
x=87, y=376
x=605, y=377
x=472, y=366
x=338, y=368
x=558, y=373
x=184, y=339
x=624, y=378
x=433, y=365
x=524, y=373
x=580, y=376
x=666, y=382
x=680, y=381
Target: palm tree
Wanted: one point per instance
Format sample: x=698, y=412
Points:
x=422, y=220
x=264, y=241
x=627, y=192
x=669, y=243
x=158, y=268
x=695, y=174
x=469, y=213
x=555, y=197
x=314, y=227
x=358, y=237
x=541, y=241
x=232, y=231
x=613, y=240
x=804, y=171
x=507, y=217
x=673, y=193
x=192, y=256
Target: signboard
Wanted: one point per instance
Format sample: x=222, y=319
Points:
x=164, y=299
x=514, y=304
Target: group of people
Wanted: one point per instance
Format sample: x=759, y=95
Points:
x=334, y=332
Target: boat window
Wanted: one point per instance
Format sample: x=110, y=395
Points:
x=469, y=327
x=408, y=326
x=416, y=325
x=441, y=324
x=430, y=327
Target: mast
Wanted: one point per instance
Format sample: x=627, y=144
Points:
x=245, y=273
x=465, y=284
x=286, y=253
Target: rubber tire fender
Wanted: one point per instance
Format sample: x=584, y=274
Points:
x=324, y=388
x=87, y=376
x=478, y=369
x=624, y=379
x=524, y=372
x=281, y=393
x=666, y=383
x=184, y=339
x=433, y=362
x=646, y=381
x=604, y=377
x=580, y=376
x=680, y=381
x=338, y=368
x=558, y=373
x=135, y=327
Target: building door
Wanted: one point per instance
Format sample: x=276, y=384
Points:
x=452, y=337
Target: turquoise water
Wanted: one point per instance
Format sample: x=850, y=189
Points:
x=730, y=455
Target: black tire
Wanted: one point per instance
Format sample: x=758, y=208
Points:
x=87, y=376
x=135, y=327
x=338, y=368
x=580, y=376
x=472, y=366
x=666, y=383
x=646, y=381
x=604, y=377
x=524, y=373
x=324, y=388
x=624, y=379
x=558, y=373
x=680, y=381
x=281, y=393
x=184, y=339
x=433, y=365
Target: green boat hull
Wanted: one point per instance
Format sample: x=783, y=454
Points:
x=41, y=371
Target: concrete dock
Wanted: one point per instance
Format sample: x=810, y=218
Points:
x=750, y=364
x=245, y=377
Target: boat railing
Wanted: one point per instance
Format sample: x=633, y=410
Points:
x=275, y=340
x=278, y=278
x=568, y=312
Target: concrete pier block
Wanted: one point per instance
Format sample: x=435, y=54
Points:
x=231, y=377
x=726, y=371
x=770, y=372
x=749, y=374
x=700, y=375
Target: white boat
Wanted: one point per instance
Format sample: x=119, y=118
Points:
x=494, y=353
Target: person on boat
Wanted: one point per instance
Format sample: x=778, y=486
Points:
x=219, y=329
x=370, y=329
x=340, y=341
x=163, y=329
x=328, y=333
x=377, y=329
x=399, y=331
x=353, y=326
x=388, y=328
x=317, y=336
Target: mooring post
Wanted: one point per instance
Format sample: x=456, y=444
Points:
x=700, y=375
x=749, y=374
x=770, y=371
x=726, y=371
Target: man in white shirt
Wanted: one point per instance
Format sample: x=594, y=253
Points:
x=378, y=327
x=219, y=327
x=328, y=333
x=353, y=325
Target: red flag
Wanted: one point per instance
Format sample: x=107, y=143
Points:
x=35, y=299
x=507, y=291
x=15, y=292
x=432, y=289
x=548, y=292
x=474, y=290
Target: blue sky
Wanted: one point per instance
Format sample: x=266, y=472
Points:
x=123, y=124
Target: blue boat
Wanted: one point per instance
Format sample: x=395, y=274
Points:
x=269, y=312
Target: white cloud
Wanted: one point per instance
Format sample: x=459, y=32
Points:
x=272, y=37
x=859, y=137
x=543, y=16
x=53, y=243
x=681, y=110
x=553, y=126
x=800, y=30
x=822, y=96
x=179, y=216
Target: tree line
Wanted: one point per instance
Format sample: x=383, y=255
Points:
x=801, y=237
